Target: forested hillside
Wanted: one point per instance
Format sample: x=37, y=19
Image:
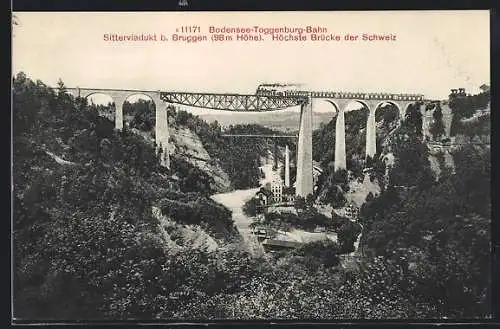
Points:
x=285, y=121
x=85, y=239
x=437, y=232
x=435, y=229
x=87, y=245
x=238, y=157
x=466, y=106
x=333, y=186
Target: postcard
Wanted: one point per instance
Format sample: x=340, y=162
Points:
x=203, y=166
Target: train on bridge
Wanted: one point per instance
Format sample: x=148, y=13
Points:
x=298, y=90
x=281, y=89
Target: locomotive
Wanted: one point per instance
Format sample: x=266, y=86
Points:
x=278, y=89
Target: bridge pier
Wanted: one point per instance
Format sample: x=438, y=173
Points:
x=340, y=157
x=287, y=166
x=304, y=179
x=371, y=134
x=162, y=135
x=263, y=101
x=275, y=155
x=119, y=113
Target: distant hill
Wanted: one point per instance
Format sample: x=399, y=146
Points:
x=286, y=121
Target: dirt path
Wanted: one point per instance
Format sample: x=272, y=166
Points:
x=236, y=199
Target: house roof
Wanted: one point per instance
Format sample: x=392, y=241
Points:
x=281, y=243
x=265, y=192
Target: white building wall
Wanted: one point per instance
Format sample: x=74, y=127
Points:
x=277, y=189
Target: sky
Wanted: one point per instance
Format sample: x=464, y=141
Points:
x=434, y=51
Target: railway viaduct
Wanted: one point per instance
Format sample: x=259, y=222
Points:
x=262, y=102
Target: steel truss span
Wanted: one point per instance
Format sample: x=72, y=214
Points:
x=233, y=102
x=259, y=136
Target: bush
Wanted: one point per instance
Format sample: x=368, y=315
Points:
x=325, y=251
x=347, y=235
x=252, y=207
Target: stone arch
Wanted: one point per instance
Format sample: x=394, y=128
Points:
x=139, y=93
x=161, y=133
x=147, y=121
x=365, y=105
x=93, y=93
x=110, y=112
x=355, y=121
x=395, y=104
x=339, y=149
x=421, y=109
x=118, y=97
x=375, y=135
x=335, y=105
x=406, y=106
x=337, y=109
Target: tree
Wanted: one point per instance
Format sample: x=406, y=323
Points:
x=413, y=119
x=412, y=166
x=369, y=161
x=300, y=203
x=215, y=126
x=369, y=197
x=437, y=128
x=347, y=235
x=143, y=114
x=464, y=106
x=252, y=207
x=423, y=231
x=337, y=198
x=87, y=246
x=310, y=200
x=390, y=115
x=340, y=178
x=337, y=221
x=60, y=86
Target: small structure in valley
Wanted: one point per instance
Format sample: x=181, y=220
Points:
x=288, y=194
x=277, y=188
x=264, y=196
x=275, y=245
x=351, y=211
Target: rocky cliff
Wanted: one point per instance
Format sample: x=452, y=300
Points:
x=187, y=144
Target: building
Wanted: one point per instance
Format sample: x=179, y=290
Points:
x=288, y=194
x=174, y=183
x=351, y=211
x=484, y=88
x=317, y=172
x=275, y=245
x=277, y=189
x=459, y=91
x=264, y=196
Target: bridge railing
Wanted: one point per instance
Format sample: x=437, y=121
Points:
x=233, y=102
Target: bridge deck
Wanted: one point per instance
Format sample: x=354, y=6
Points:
x=256, y=135
x=233, y=102
x=261, y=101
